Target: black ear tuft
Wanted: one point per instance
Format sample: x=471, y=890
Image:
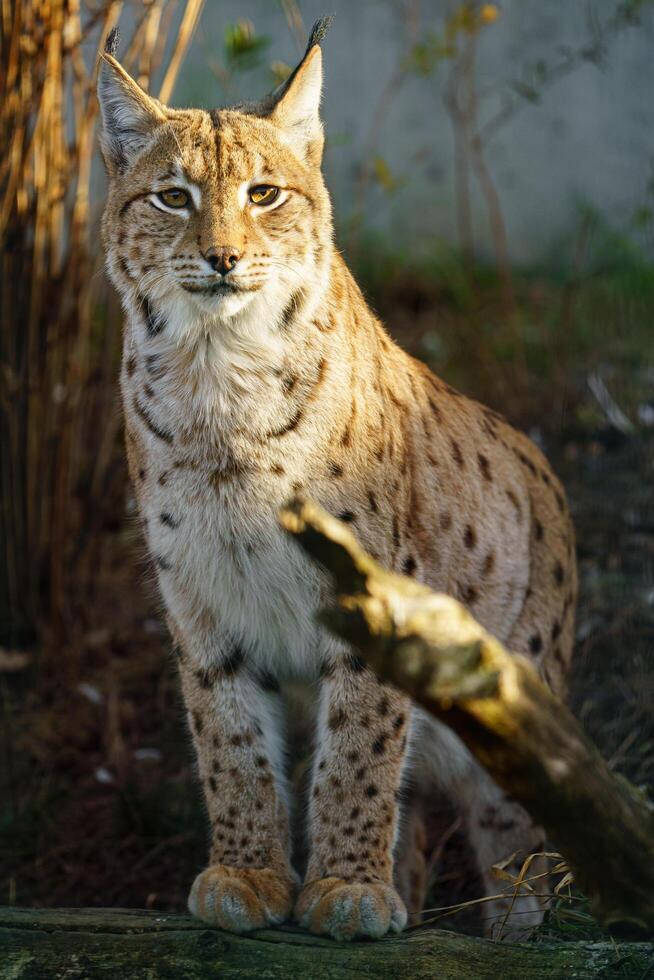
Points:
x=112, y=42
x=267, y=105
x=318, y=31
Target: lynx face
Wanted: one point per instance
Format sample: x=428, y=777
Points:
x=214, y=209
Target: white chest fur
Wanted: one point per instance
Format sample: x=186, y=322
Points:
x=225, y=568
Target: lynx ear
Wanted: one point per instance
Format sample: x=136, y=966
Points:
x=129, y=115
x=297, y=107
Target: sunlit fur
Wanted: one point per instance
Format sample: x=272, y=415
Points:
x=243, y=389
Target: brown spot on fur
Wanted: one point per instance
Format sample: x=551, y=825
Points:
x=150, y=423
x=346, y=437
x=292, y=308
x=436, y=412
x=206, y=678
x=457, y=455
x=379, y=745
x=409, y=565
x=337, y=719
x=289, y=382
x=267, y=681
x=153, y=368
x=489, y=564
x=484, y=467
x=290, y=426
x=526, y=461
x=469, y=537
x=468, y=593
x=445, y=521
x=229, y=470
x=515, y=502
x=233, y=662
x=396, y=531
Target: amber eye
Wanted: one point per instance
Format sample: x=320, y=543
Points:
x=264, y=194
x=174, y=197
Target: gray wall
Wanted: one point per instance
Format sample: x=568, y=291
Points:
x=589, y=141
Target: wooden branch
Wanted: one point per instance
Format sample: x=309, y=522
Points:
x=429, y=646
x=106, y=944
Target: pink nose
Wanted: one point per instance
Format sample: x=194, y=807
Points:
x=222, y=258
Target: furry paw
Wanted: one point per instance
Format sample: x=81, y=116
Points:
x=241, y=899
x=343, y=910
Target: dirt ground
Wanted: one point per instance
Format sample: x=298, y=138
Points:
x=98, y=801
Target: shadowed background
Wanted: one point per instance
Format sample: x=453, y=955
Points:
x=492, y=168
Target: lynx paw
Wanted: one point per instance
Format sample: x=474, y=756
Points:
x=241, y=899
x=343, y=910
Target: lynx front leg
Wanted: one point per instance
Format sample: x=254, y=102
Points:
x=249, y=883
x=348, y=890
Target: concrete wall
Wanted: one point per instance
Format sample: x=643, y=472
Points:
x=589, y=141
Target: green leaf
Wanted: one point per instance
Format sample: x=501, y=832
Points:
x=243, y=48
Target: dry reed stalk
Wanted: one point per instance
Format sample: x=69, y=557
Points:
x=58, y=346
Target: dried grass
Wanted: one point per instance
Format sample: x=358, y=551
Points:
x=557, y=879
x=59, y=338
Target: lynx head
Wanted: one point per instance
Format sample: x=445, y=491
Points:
x=213, y=213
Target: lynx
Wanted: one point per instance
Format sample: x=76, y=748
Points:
x=253, y=371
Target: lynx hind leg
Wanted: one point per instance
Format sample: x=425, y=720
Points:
x=499, y=828
x=412, y=869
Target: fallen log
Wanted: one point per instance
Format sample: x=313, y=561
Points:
x=429, y=646
x=96, y=944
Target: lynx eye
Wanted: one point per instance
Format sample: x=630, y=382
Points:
x=264, y=194
x=174, y=197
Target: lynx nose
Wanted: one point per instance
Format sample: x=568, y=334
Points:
x=222, y=259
